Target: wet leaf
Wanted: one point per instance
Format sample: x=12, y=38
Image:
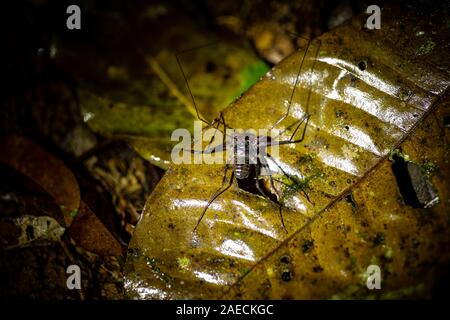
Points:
x=372, y=94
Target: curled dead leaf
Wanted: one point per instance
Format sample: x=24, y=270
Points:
x=44, y=169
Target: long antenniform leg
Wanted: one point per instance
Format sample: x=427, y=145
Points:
x=290, y=187
x=295, y=86
x=297, y=125
x=280, y=206
x=218, y=192
x=220, y=120
x=287, y=175
x=177, y=56
x=180, y=66
x=221, y=117
x=306, y=117
x=308, y=98
x=224, y=181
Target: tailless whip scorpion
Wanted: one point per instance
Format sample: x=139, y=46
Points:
x=248, y=153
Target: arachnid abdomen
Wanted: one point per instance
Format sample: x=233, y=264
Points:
x=245, y=153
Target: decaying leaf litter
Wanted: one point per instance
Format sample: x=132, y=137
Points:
x=366, y=104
